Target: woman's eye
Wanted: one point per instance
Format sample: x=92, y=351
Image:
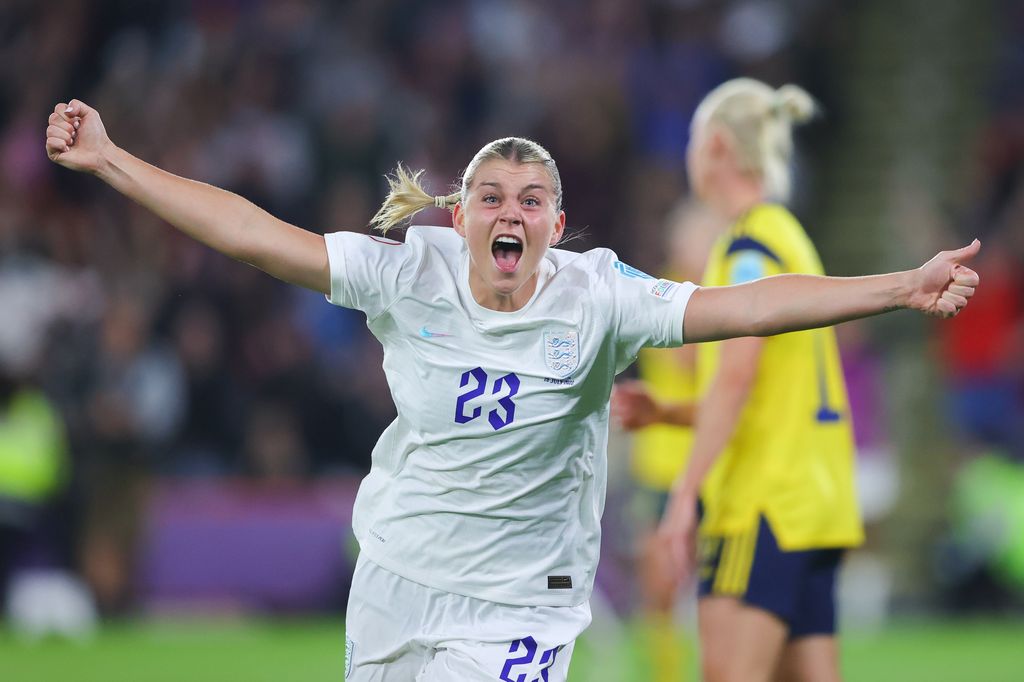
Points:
x=490, y=199
x=531, y=202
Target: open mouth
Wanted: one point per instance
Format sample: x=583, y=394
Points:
x=507, y=251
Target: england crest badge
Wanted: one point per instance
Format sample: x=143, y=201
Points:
x=562, y=352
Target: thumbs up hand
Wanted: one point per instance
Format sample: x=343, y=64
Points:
x=944, y=284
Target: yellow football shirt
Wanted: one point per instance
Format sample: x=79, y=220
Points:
x=791, y=457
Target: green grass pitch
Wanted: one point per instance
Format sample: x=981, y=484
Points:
x=313, y=651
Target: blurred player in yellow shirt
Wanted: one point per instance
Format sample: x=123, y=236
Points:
x=659, y=449
x=772, y=452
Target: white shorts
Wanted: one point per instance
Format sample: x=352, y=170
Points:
x=399, y=631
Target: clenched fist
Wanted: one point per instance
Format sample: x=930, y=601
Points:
x=75, y=137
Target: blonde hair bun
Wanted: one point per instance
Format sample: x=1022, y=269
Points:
x=794, y=103
x=761, y=120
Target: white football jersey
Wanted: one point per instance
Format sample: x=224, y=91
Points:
x=490, y=483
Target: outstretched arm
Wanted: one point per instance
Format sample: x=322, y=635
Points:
x=76, y=139
x=786, y=303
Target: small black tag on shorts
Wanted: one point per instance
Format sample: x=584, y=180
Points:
x=559, y=582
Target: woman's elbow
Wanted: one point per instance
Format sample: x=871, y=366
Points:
x=757, y=320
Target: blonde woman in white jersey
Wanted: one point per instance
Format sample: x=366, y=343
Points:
x=479, y=522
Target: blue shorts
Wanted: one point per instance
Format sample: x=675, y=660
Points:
x=796, y=587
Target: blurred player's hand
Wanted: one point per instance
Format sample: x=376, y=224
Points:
x=943, y=284
x=632, y=406
x=678, y=532
x=75, y=137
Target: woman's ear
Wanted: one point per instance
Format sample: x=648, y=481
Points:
x=556, y=236
x=459, y=220
x=716, y=144
x=720, y=143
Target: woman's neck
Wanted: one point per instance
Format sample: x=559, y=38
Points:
x=491, y=297
x=737, y=197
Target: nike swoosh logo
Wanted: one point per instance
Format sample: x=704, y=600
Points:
x=427, y=334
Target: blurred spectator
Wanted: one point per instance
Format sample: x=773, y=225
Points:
x=134, y=399
x=274, y=448
x=983, y=352
x=209, y=431
x=983, y=357
x=33, y=471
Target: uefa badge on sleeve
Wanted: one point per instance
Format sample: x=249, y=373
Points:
x=663, y=288
x=562, y=352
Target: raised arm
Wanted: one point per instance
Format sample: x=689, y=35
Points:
x=786, y=303
x=76, y=139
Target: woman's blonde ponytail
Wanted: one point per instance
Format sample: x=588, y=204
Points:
x=406, y=197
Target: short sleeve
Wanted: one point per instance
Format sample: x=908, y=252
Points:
x=646, y=311
x=748, y=259
x=368, y=273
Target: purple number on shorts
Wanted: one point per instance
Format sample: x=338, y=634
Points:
x=530, y=644
x=548, y=657
x=547, y=660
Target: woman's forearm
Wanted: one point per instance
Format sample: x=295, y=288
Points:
x=791, y=302
x=220, y=219
x=206, y=213
x=675, y=413
x=785, y=303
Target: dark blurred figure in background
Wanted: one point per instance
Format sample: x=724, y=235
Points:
x=210, y=424
x=274, y=450
x=133, y=401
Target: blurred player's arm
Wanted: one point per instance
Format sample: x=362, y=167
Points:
x=791, y=302
x=720, y=410
x=714, y=426
x=76, y=139
x=633, y=407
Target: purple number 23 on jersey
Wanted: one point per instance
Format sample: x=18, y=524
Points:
x=476, y=379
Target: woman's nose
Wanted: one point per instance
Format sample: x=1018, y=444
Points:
x=511, y=217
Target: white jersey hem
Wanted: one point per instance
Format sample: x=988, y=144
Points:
x=429, y=579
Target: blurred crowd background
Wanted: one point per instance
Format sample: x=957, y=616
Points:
x=151, y=388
